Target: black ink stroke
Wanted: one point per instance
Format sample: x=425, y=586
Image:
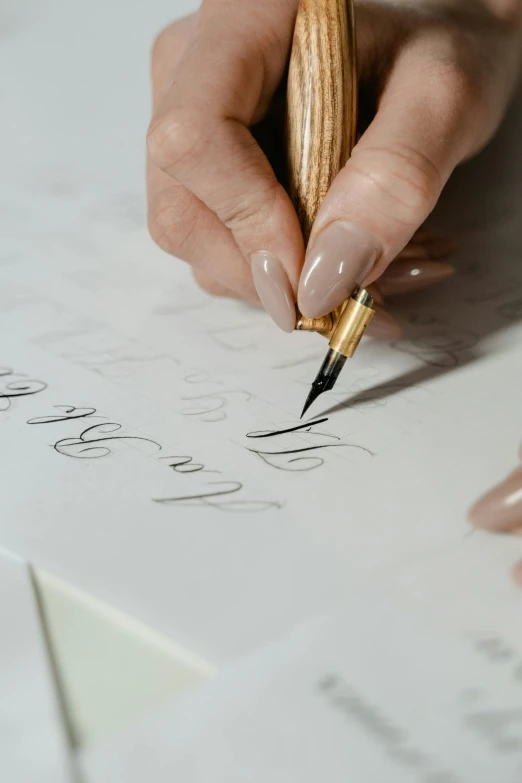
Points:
x=68, y=412
x=312, y=462
x=96, y=441
x=439, y=350
x=236, y=488
x=17, y=388
x=206, y=498
x=212, y=407
x=268, y=434
x=185, y=465
x=85, y=439
x=199, y=377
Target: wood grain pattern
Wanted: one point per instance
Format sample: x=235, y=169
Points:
x=321, y=102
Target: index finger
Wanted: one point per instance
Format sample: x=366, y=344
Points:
x=199, y=136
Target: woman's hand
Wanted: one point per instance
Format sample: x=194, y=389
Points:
x=439, y=75
x=500, y=510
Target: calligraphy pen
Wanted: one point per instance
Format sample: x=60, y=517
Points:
x=321, y=125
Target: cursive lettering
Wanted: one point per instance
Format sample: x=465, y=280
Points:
x=17, y=388
x=209, y=407
x=227, y=488
x=268, y=434
x=68, y=412
x=284, y=459
x=88, y=445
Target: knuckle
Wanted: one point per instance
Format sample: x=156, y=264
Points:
x=173, y=142
x=458, y=85
x=172, y=222
x=241, y=214
x=404, y=182
x=255, y=208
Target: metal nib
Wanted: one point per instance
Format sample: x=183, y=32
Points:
x=326, y=377
x=312, y=396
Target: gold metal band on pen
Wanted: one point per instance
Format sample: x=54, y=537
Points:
x=356, y=315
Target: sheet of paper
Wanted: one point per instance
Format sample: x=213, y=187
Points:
x=132, y=405
x=33, y=743
x=326, y=704
x=225, y=577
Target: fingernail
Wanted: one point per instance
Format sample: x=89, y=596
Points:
x=434, y=249
x=274, y=289
x=384, y=326
x=501, y=508
x=423, y=235
x=401, y=277
x=440, y=247
x=339, y=258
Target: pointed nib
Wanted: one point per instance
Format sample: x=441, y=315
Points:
x=312, y=396
x=326, y=377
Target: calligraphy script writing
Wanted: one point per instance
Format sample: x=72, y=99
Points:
x=393, y=740
x=98, y=440
x=13, y=384
x=501, y=729
x=300, y=458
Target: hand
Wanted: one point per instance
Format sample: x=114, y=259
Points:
x=500, y=510
x=440, y=75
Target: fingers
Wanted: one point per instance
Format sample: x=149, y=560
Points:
x=169, y=47
x=212, y=287
x=413, y=270
x=199, y=137
x=186, y=228
x=179, y=222
x=384, y=325
x=500, y=510
x=423, y=128
x=433, y=248
x=408, y=275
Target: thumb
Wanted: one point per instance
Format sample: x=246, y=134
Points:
x=424, y=127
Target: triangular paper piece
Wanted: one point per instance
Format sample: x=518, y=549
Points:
x=111, y=668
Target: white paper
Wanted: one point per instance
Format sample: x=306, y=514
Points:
x=91, y=310
x=329, y=703
x=143, y=389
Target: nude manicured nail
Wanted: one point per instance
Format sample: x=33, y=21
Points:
x=274, y=289
x=436, y=249
x=440, y=247
x=401, y=277
x=338, y=259
x=423, y=235
x=501, y=508
x=384, y=326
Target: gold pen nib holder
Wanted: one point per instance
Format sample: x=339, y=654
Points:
x=345, y=326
